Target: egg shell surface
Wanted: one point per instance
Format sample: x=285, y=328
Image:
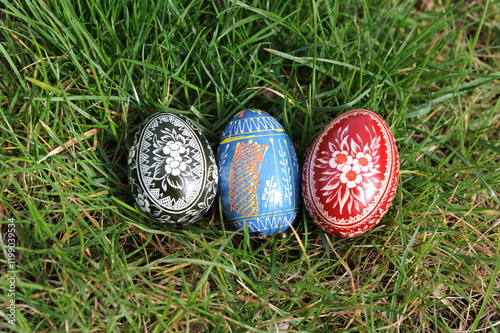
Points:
x=259, y=174
x=351, y=172
x=172, y=170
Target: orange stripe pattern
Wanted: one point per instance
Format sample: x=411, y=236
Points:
x=244, y=177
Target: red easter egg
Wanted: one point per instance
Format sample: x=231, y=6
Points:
x=350, y=174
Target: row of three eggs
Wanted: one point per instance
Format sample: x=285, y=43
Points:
x=348, y=179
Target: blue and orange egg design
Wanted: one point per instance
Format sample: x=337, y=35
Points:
x=259, y=174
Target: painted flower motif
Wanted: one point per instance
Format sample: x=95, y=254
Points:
x=364, y=161
x=214, y=173
x=173, y=160
x=165, y=219
x=340, y=159
x=174, y=166
x=272, y=193
x=131, y=154
x=351, y=175
x=174, y=149
x=174, y=163
x=350, y=171
x=143, y=203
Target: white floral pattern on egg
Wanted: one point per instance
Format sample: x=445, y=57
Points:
x=171, y=169
x=350, y=174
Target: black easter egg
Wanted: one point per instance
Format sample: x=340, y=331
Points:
x=172, y=170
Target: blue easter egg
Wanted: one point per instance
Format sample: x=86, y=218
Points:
x=259, y=176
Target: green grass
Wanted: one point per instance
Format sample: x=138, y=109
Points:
x=88, y=260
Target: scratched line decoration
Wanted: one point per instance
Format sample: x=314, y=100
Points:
x=172, y=170
x=259, y=176
x=351, y=173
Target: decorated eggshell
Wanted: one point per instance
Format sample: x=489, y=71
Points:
x=259, y=177
x=172, y=170
x=350, y=174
